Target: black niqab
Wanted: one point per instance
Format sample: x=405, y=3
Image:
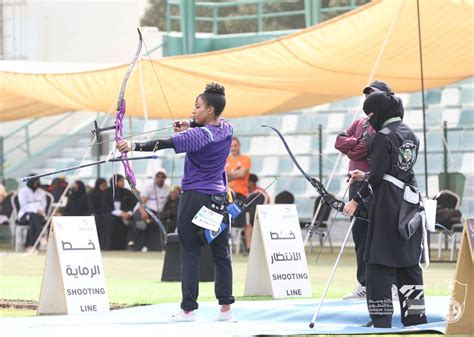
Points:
x=383, y=106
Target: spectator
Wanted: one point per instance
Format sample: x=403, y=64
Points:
x=147, y=236
x=118, y=203
x=95, y=196
x=57, y=187
x=238, y=171
x=155, y=195
x=285, y=197
x=96, y=207
x=32, y=210
x=261, y=199
x=77, y=200
x=5, y=212
x=170, y=211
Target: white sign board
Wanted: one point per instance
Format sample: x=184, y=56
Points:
x=277, y=262
x=73, y=277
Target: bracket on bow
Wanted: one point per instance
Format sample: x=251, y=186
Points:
x=96, y=131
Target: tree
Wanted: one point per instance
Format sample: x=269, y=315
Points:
x=155, y=15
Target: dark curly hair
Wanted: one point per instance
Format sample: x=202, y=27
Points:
x=214, y=95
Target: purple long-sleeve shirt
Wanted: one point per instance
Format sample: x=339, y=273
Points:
x=207, y=149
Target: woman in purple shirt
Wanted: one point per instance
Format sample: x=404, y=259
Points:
x=206, y=141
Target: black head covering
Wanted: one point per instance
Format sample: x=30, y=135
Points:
x=98, y=182
x=33, y=183
x=81, y=190
x=383, y=106
x=115, y=178
x=382, y=86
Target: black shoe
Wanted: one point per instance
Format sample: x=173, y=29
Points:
x=369, y=324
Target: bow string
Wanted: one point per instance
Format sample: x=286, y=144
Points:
x=121, y=108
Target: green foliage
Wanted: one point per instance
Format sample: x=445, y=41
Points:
x=155, y=15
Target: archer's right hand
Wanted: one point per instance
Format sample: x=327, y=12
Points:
x=123, y=146
x=181, y=125
x=357, y=175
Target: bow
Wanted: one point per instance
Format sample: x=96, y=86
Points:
x=327, y=198
x=121, y=108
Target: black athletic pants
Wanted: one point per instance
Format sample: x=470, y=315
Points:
x=189, y=204
x=36, y=223
x=359, y=235
x=409, y=281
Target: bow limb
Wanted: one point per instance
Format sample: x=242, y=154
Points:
x=328, y=199
x=121, y=108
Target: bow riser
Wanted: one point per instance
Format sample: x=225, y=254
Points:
x=328, y=199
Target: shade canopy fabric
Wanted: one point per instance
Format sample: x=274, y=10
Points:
x=324, y=63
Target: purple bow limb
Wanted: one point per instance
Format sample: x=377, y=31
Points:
x=119, y=136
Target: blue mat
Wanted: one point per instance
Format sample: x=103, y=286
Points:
x=278, y=317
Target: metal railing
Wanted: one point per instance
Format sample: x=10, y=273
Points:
x=25, y=145
x=260, y=14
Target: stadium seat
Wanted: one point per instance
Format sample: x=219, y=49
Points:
x=334, y=123
x=313, y=169
x=349, y=117
x=345, y=104
x=256, y=165
x=433, y=117
x=306, y=123
x=304, y=162
x=466, y=118
x=434, y=138
x=450, y=97
x=431, y=97
x=269, y=166
x=245, y=143
x=329, y=141
x=301, y=144
x=285, y=165
x=468, y=163
x=258, y=146
x=289, y=124
x=435, y=163
x=467, y=96
x=413, y=118
x=451, y=116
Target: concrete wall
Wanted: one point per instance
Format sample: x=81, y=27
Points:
x=72, y=30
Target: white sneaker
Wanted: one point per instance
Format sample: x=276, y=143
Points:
x=181, y=316
x=225, y=317
x=359, y=293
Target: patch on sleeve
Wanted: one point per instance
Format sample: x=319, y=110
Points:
x=407, y=155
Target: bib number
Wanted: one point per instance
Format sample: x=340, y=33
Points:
x=208, y=219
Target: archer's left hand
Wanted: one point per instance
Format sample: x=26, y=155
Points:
x=123, y=146
x=350, y=208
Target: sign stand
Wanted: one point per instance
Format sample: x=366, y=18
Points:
x=461, y=305
x=277, y=262
x=73, y=278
